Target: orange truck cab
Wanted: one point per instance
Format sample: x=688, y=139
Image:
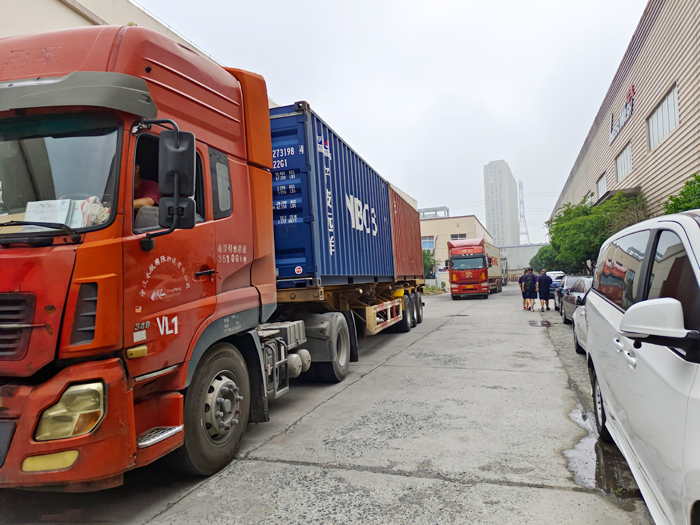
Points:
x=474, y=268
x=112, y=308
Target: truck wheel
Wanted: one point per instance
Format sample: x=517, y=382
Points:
x=414, y=310
x=405, y=324
x=486, y=296
x=454, y=297
x=336, y=370
x=217, y=406
x=418, y=301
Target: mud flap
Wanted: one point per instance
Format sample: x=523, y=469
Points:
x=352, y=328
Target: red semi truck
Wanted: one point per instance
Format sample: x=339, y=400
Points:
x=130, y=331
x=474, y=267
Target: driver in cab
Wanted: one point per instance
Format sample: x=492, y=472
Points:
x=145, y=190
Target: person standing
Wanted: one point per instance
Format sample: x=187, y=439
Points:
x=528, y=287
x=521, y=282
x=543, y=284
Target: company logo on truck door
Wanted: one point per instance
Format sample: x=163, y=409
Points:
x=362, y=217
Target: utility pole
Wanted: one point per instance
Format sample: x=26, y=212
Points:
x=524, y=236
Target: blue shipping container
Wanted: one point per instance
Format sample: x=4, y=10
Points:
x=331, y=209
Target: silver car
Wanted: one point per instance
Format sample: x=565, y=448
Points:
x=643, y=345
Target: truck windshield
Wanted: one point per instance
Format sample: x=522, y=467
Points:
x=59, y=169
x=469, y=263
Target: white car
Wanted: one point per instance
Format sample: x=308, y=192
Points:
x=579, y=326
x=643, y=347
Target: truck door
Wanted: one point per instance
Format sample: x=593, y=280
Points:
x=170, y=290
x=231, y=207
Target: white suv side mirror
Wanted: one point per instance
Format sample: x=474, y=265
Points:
x=659, y=322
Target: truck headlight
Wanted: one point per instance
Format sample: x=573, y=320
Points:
x=77, y=413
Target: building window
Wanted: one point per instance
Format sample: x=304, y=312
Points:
x=602, y=186
x=664, y=119
x=458, y=236
x=428, y=243
x=623, y=162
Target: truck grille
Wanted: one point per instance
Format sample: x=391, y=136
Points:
x=16, y=313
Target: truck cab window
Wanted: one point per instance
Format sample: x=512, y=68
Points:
x=146, y=197
x=468, y=263
x=220, y=184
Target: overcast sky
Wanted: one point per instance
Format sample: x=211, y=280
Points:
x=430, y=92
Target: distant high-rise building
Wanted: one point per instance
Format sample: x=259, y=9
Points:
x=501, y=195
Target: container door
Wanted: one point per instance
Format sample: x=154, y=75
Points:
x=292, y=215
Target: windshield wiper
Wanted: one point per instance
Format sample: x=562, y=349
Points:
x=74, y=235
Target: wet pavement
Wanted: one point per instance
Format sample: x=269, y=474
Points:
x=474, y=416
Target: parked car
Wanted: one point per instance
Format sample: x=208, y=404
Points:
x=643, y=346
x=579, y=325
x=565, y=284
x=571, y=298
x=556, y=276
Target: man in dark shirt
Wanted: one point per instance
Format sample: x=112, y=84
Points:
x=528, y=287
x=543, y=283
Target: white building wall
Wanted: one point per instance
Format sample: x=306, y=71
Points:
x=20, y=17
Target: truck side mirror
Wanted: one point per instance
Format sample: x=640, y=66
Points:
x=176, y=156
x=447, y=263
x=176, y=174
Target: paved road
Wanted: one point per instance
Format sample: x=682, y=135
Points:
x=466, y=419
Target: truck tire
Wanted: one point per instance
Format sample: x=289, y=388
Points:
x=212, y=440
x=418, y=301
x=404, y=325
x=454, y=297
x=336, y=370
x=414, y=310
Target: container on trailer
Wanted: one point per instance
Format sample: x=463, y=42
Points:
x=331, y=213
x=405, y=228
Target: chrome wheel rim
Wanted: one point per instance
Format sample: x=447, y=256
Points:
x=222, y=406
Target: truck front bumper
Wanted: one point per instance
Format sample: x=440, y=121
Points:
x=469, y=289
x=94, y=461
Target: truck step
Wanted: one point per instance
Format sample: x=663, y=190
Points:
x=156, y=435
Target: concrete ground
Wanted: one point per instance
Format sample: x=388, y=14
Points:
x=475, y=416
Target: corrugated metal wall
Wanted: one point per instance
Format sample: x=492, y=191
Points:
x=405, y=226
x=667, y=55
x=331, y=209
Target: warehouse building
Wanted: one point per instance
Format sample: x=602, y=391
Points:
x=518, y=258
x=646, y=135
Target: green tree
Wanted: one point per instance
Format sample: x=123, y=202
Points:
x=687, y=199
x=544, y=258
x=428, y=263
x=578, y=231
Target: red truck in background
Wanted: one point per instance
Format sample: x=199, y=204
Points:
x=474, y=268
